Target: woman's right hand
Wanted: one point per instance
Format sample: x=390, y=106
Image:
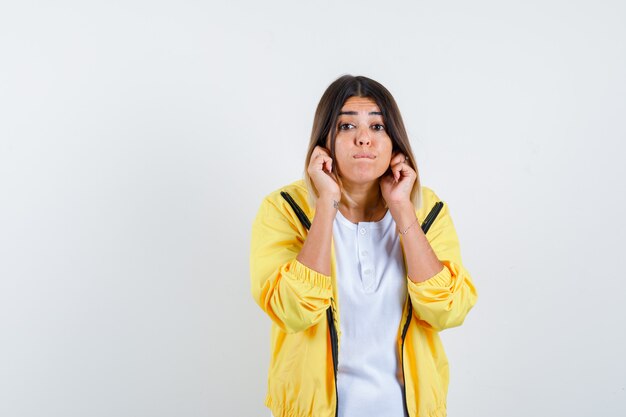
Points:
x=320, y=171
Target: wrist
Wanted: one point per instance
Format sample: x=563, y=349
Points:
x=405, y=230
x=327, y=202
x=329, y=197
x=401, y=207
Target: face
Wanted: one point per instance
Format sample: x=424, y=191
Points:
x=363, y=149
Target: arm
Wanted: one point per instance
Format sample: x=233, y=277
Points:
x=421, y=261
x=316, y=250
x=440, y=288
x=290, y=276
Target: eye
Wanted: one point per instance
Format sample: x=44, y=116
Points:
x=345, y=126
x=378, y=127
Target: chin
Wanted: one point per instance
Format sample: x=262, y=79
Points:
x=363, y=177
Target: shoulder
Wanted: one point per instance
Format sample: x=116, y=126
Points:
x=298, y=192
x=428, y=198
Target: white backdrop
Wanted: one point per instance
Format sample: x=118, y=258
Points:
x=138, y=138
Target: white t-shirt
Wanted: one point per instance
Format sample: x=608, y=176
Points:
x=372, y=291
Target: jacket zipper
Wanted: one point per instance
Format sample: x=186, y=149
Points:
x=334, y=350
x=404, y=330
x=329, y=313
x=430, y=219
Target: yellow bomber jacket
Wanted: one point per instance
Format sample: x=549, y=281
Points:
x=305, y=313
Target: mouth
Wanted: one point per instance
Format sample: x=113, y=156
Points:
x=364, y=156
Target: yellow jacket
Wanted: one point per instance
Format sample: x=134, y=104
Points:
x=305, y=313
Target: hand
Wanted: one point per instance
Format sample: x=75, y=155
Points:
x=320, y=170
x=396, y=185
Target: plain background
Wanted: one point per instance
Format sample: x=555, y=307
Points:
x=137, y=140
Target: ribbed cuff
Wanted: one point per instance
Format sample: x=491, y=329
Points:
x=441, y=279
x=307, y=275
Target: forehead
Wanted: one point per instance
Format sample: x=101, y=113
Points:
x=360, y=105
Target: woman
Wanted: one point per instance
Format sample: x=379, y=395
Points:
x=357, y=291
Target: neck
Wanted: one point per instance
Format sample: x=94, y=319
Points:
x=362, y=202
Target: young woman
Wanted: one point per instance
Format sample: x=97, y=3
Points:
x=359, y=268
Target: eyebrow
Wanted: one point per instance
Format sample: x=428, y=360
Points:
x=353, y=113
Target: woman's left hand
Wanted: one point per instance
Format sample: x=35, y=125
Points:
x=396, y=185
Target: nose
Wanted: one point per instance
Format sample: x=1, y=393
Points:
x=363, y=137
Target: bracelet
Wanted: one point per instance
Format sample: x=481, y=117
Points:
x=407, y=229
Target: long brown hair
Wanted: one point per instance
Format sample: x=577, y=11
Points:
x=325, y=124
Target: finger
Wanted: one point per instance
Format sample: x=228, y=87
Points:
x=401, y=170
x=396, y=167
x=321, y=161
x=397, y=172
x=328, y=163
x=320, y=150
x=317, y=162
x=398, y=158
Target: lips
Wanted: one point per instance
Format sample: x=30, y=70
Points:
x=364, y=156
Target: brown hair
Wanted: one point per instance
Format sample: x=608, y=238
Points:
x=325, y=124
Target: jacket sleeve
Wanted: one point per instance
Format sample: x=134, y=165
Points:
x=443, y=300
x=294, y=296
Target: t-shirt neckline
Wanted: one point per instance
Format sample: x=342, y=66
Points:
x=387, y=218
